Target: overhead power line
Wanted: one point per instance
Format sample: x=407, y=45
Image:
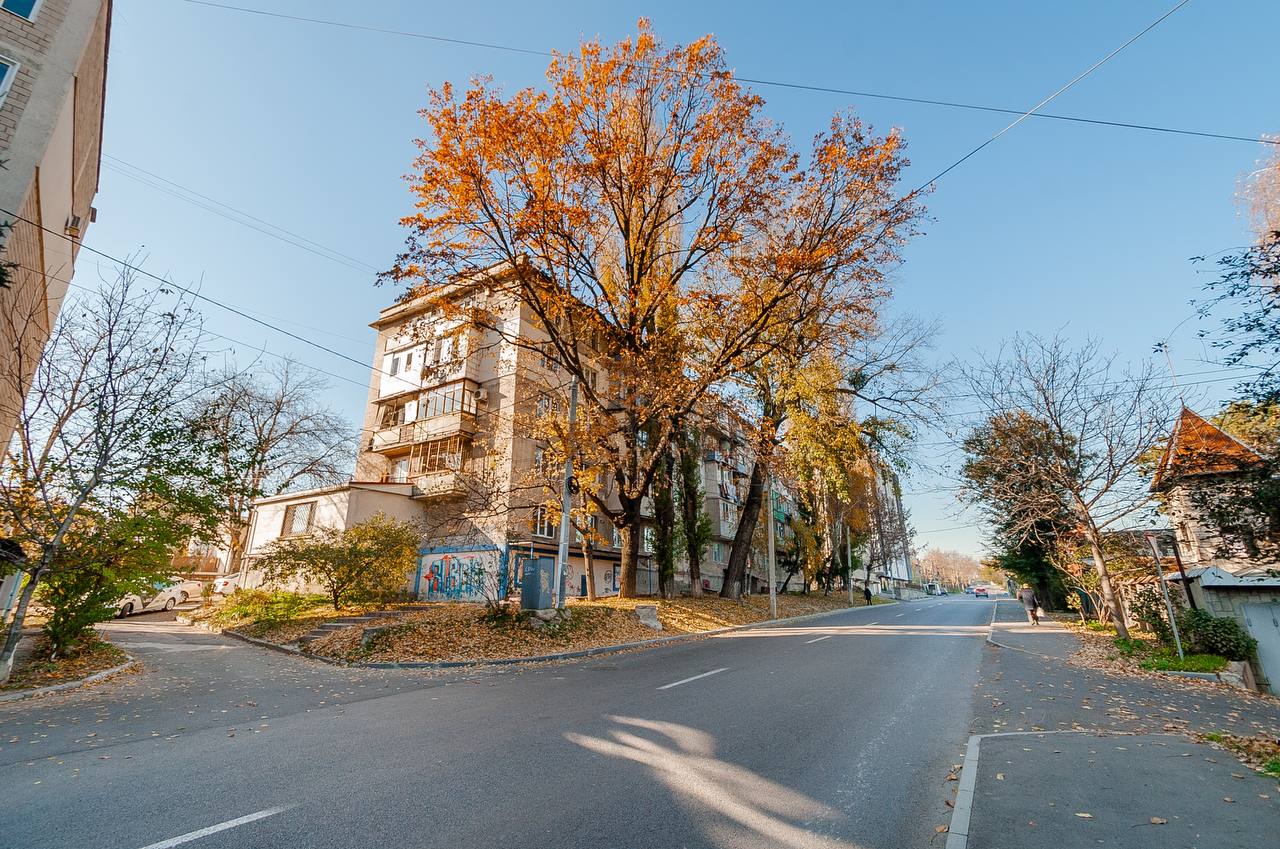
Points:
x=1032, y=111
x=189, y=291
x=231, y=213
x=813, y=87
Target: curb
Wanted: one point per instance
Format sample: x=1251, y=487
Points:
x=508, y=661
x=266, y=644
x=958, y=828
x=68, y=685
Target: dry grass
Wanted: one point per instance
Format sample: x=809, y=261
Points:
x=445, y=632
x=38, y=671
x=1262, y=754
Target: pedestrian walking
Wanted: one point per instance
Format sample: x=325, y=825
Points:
x=866, y=594
x=1027, y=596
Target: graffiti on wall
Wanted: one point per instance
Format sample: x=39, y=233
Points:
x=460, y=576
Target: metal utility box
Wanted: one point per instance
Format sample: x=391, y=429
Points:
x=537, y=580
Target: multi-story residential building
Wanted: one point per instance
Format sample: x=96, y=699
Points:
x=53, y=71
x=449, y=435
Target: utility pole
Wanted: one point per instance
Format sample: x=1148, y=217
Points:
x=1164, y=590
x=566, y=496
x=848, y=564
x=773, y=584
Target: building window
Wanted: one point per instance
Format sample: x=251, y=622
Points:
x=298, y=519
x=728, y=514
x=21, y=8
x=408, y=361
x=449, y=398
x=617, y=537
x=592, y=376
x=400, y=471
x=394, y=368
x=541, y=523
x=395, y=414
x=441, y=455
x=8, y=72
x=648, y=539
x=717, y=552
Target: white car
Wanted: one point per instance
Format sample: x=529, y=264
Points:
x=165, y=596
x=226, y=584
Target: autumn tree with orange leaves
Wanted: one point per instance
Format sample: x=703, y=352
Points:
x=660, y=230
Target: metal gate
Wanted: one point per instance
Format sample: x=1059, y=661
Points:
x=1263, y=622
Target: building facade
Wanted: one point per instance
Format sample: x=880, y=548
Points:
x=450, y=432
x=53, y=71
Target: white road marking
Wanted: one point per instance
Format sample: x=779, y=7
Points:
x=900, y=614
x=663, y=687
x=214, y=829
x=877, y=622
x=817, y=640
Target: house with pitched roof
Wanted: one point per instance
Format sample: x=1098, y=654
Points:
x=1203, y=480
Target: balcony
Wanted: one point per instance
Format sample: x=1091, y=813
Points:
x=459, y=423
x=439, y=486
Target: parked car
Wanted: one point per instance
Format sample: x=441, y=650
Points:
x=226, y=584
x=968, y=590
x=165, y=595
x=980, y=592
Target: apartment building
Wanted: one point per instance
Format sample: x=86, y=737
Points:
x=53, y=71
x=448, y=436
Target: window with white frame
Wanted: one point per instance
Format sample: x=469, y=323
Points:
x=298, y=519
x=448, y=398
x=648, y=539
x=394, y=368
x=541, y=522
x=8, y=72
x=717, y=552
x=22, y=8
x=617, y=537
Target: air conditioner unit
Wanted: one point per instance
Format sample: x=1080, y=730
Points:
x=482, y=396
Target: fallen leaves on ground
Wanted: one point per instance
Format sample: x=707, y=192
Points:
x=36, y=670
x=1159, y=821
x=1261, y=753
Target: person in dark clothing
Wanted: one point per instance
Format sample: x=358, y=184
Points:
x=866, y=594
x=1030, y=603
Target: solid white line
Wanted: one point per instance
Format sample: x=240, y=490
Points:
x=214, y=829
x=817, y=640
x=877, y=622
x=663, y=687
x=900, y=614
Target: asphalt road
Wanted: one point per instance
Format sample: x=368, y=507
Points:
x=837, y=733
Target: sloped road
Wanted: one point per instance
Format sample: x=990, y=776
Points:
x=839, y=733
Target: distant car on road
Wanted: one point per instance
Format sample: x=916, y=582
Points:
x=968, y=590
x=980, y=592
x=226, y=584
x=165, y=595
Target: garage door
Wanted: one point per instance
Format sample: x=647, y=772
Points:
x=1263, y=622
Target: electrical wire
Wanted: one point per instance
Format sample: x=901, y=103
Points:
x=924, y=101
x=1046, y=101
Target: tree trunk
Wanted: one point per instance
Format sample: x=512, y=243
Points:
x=1109, y=600
x=15, y=630
x=631, y=531
x=737, y=567
x=590, y=570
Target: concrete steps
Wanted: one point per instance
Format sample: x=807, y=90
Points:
x=346, y=622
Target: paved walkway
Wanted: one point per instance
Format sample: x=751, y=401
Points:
x=1011, y=629
x=1054, y=740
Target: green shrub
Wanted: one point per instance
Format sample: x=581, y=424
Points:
x=1272, y=767
x=268, y=606
x=1204, y=633
x=1131, y=648
x=1095, y=625
x=1147, y=606
x=1166, y=660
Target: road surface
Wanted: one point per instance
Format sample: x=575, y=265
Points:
x=839, y=733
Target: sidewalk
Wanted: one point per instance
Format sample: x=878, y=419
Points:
x=1052, y=740
x=1010, y=629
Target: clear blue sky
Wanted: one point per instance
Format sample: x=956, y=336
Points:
x=1054, y=226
